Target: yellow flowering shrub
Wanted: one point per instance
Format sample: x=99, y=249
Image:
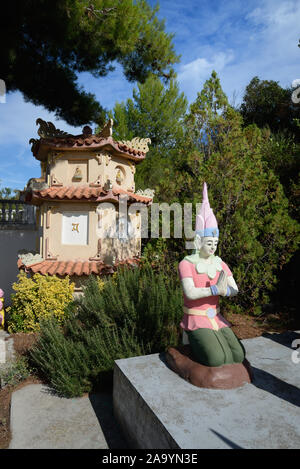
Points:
x=36, y=298
x=100, y=283
x=101, y=280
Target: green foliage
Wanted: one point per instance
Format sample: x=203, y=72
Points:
x=257, y=235
x=14, y=372
x=270, y=107
x=266, y=103
x=155, y=112
x=203, y=118
x=37, y=298
x=8, y=193
x=49, y=41
x=282, y=154
x=135, y=313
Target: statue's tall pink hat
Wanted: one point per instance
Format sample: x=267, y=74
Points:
x=206, y=223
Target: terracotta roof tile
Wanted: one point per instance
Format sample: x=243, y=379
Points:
x=70, y=268
x=78, y=268
x=51, y=269
x=91, y=194
x=137, y=197
x=93, y=141
x=44, y=268
x=86, y=268
x=61, y=268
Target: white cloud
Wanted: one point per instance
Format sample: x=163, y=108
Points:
x=18, y=120
x=192, y=75
x=277, y=37
x=263, y=43
x=17, y=126
x=275, y=14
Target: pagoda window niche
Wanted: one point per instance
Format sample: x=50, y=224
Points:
x=120, y=175
x=75, y=228
x=78, y=171
x=77, y=175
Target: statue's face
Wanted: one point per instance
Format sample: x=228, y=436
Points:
x=208, y=246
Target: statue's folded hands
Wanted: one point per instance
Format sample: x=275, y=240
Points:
x=222, y=284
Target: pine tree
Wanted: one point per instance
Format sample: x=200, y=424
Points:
x=157, y=112
x=202, y=120
x=267, y=104
x=48, y=42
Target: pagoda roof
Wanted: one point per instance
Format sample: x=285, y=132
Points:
x=58, y=140
x=83, y=193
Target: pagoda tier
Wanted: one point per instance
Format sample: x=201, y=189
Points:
x=52, y=139
x=83, y=193
x=84, y=179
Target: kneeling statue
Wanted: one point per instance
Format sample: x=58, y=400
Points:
x=215, y=357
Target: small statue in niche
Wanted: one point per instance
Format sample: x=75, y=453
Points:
x=119, y=176
x=215, y=357
x=77, y=175
x=108, y=185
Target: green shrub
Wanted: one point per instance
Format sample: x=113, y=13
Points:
x=135, y=313
x=36, y=298
x=14, y=372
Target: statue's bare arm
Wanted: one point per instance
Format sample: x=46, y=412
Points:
x=226, y=287
x=192, y=292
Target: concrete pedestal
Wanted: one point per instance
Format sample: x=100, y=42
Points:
x=158, y=409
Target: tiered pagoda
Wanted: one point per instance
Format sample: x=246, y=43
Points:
x=77, y=196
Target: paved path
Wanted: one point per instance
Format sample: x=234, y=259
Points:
x=42, y=420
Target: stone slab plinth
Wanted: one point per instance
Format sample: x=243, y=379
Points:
x=158, y=409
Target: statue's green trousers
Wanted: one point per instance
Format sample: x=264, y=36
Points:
x=216, y=348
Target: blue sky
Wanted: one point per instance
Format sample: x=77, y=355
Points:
x=237, y=38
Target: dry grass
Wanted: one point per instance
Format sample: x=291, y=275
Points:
x=247, y=327
x=24, y=342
